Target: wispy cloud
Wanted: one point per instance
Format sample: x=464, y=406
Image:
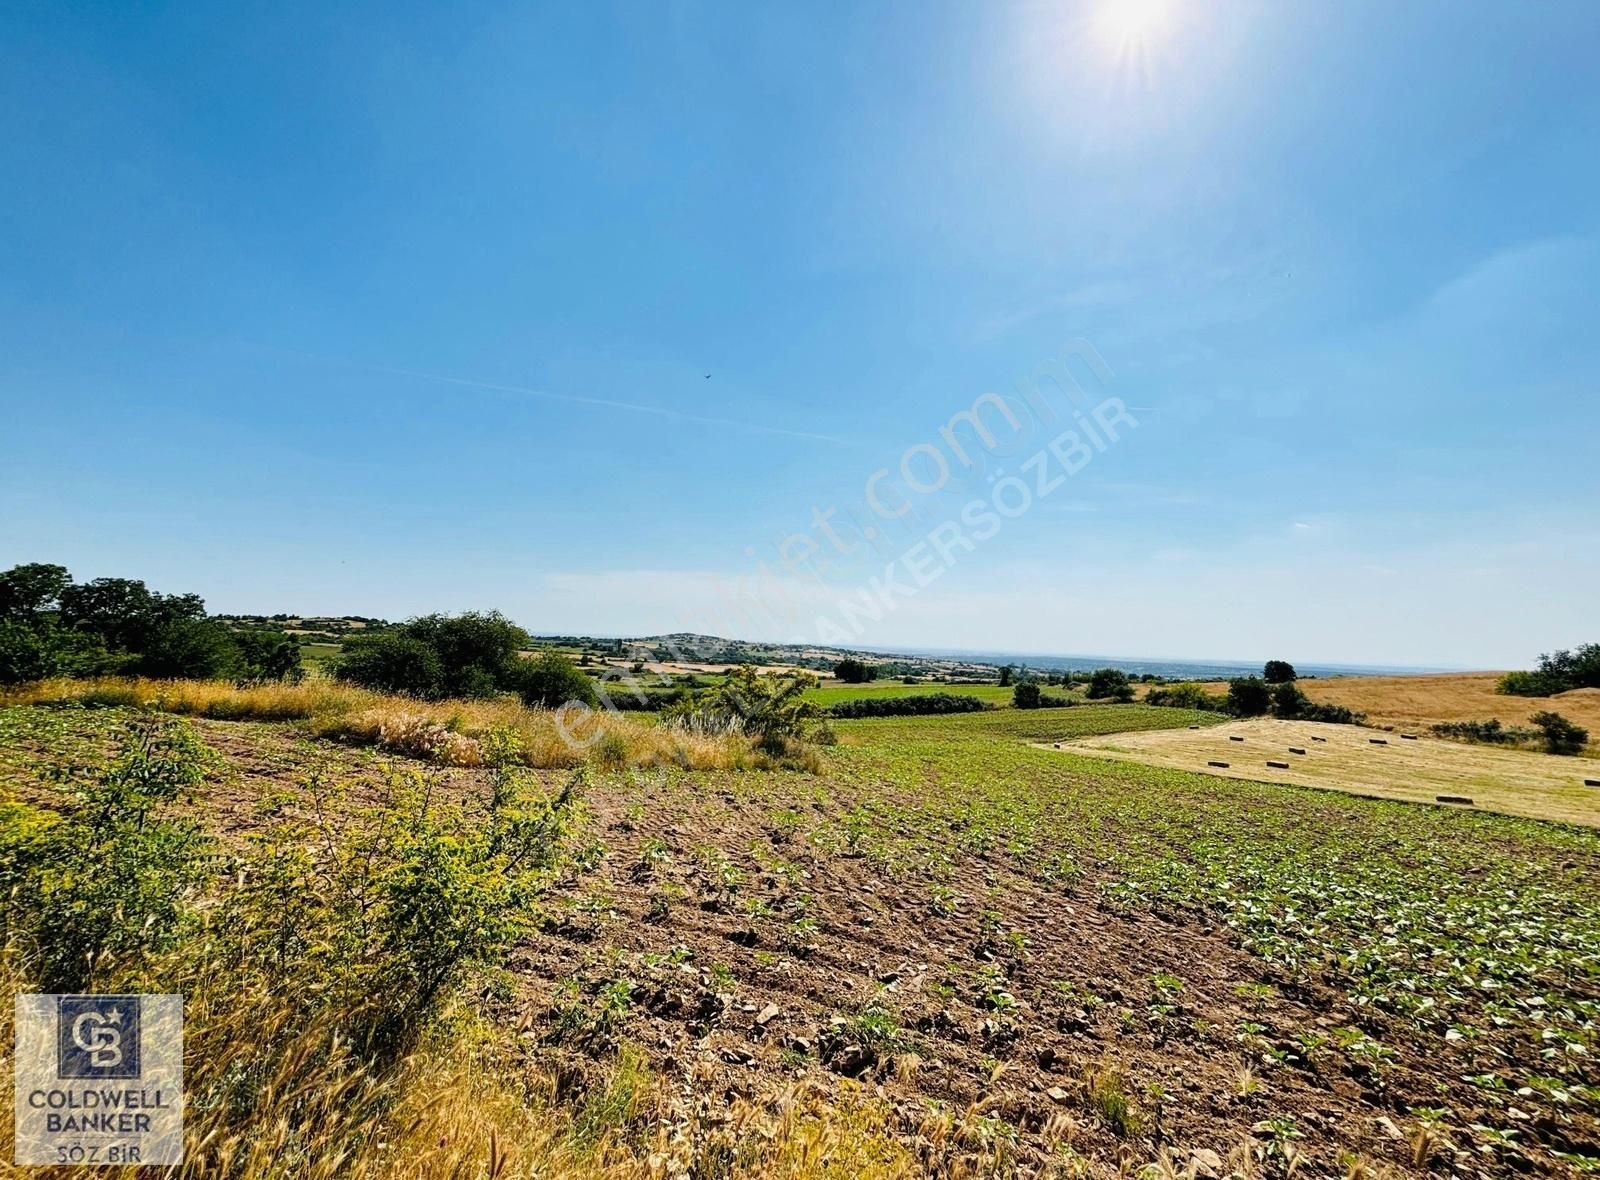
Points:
x=609, y=403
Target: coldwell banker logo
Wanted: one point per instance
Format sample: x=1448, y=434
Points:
x=97, y=1036
x=99, y=1079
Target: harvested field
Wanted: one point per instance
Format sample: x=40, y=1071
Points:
x=1421, y=701
x=1349, y=758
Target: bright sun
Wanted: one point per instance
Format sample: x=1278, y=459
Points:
x=1129, y=26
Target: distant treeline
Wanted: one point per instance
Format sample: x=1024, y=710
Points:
x=1274, y=694
x=908, y=706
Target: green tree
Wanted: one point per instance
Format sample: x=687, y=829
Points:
x=1008, y=676
x=475, y=649
x=1248, y=696
x=29, y=591
x=1027, y=695
x=1109, y=684
x=268, y=655
x=550, y=680
x=1579, y=668
x=26, y=653
x=123, y=613
x=1288, y=701
x=1558, y=671
x=191, y=649
x=1278, y=672
x=392, y=661
x=1527, y=684
x=853, y=671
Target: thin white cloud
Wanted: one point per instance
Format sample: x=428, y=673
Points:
x=609, y=403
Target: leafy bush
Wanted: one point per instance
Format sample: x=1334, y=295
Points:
x=1333, y=714
x=1560, y=735
x=470, y=655
x=853, y=671
x=920, y=704
x=26, y=653
x=1029, y=695
x=551, y=680
x=1288, y=701
x=1559, y=671
x=1185, y=696
x=1575, y=669
x=1109, y=684
x=1489, y=732
x=190, y=649
x=268, y=655
x=771, y=709
x=1527, y=684
x=109, y=876
x=1278, y=672
x=1248, y=696
x=375, y=914
x=474, y=648
x=392, y=661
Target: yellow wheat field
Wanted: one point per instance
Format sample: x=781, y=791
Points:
x=1455, y=696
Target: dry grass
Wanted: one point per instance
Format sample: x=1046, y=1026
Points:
x=1514, y=782
x=451, y=733
x=458, y=1107
x=1420, y=701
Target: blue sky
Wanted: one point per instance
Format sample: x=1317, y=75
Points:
x=385, y=309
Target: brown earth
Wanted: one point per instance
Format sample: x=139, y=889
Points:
x=728, y=1003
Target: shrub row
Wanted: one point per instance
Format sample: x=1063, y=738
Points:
x=911, y=706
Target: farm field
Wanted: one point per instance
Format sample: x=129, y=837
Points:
x=1345, y=758
x=1416, y=702
x=831, y=692
x=1421, y=701
x=954, y=950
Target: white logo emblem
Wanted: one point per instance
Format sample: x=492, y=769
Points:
x=100, y=1036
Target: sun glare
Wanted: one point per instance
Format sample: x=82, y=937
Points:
x=1129, y=26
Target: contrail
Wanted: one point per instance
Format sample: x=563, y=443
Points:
x=580, y=399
